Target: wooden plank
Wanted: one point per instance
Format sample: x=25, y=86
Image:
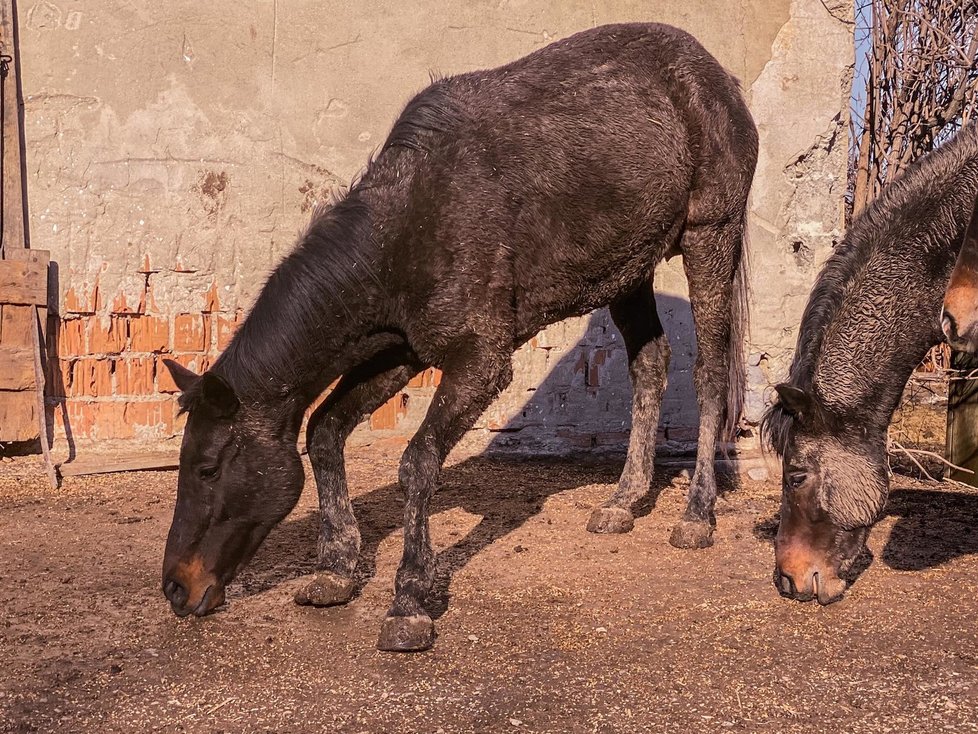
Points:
x=23, y=282
x=161, y=461
x=16, y=368
x=15, y=325
x=33, y=256
x=18, y=416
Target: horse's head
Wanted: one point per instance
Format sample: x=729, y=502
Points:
x=959, y=317
x=240, y=474
x=834, y=486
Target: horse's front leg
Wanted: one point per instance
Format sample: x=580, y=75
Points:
x=358, y=393
x=469, y=384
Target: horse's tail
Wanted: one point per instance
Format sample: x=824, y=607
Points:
x=739, y=334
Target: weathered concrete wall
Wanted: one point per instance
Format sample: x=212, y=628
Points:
x=174, y=150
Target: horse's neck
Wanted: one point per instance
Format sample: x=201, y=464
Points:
x=311, y=319
x=864, y=385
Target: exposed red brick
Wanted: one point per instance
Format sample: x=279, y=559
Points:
x=135, y=376
x=682, y=433
x=582, y=440
x=430, y=377
x=91, y=377
x=146, y=300
x=109, y=421
x=83, y=303
x=82, y=378
x=72, y=302
x=81, y=418
x=102, y=340
x=149, y=334
x=592, y=375
x=417, y=380
x=196, y=362
x=191, y=332
x=155, y=416
x=119, y=305
x=226, y=327
x=388, y=414
x=72, y=338
x=212, y=300
x=60, y=380
x=146, y=269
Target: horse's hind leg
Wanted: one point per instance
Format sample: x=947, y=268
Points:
x=711, y=257
x=469, y=384
x=648, y=365
x=360, y=392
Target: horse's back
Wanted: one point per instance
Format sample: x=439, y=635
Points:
x=564, y=176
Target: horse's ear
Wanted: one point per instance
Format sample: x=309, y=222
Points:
x=795, y=400
x=185, y=379
x=218, y=395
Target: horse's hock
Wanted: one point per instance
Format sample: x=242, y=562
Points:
x=173, y=155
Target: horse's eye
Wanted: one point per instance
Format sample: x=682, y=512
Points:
x=796, y=479
x=208, y=473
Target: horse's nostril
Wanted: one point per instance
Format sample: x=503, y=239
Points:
x=175, y=592
x=949, y=326
x=787, y=586
x=783, y=583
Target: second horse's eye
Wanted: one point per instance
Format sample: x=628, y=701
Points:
x=208, y=472
x=796, y=479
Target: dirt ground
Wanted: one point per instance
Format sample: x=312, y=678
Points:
x=542, y=626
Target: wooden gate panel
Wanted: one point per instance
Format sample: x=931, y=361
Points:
x=23, y=288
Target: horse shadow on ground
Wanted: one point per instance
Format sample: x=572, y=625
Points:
x=480, y=486
x=933, y=527
x=483, y=485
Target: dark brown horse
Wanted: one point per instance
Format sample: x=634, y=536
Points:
x=872, y=316
x=502, y=201
x=959, y=318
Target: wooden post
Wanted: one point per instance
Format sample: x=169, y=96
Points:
x=12, y=183
x=23, y=272
x=962, y=418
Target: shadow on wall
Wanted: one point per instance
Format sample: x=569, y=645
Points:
x=583, y=403
x=56, y=391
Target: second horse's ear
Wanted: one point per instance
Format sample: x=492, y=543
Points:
x=795, y=400
x=184, y=379
x=218, y=395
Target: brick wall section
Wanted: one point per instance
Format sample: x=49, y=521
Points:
x=106, y=365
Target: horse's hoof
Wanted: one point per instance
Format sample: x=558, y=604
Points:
x=610, y=520
x=407, y=634
x=688, y=534
x=326, y=590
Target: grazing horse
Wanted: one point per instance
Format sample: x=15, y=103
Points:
x=871, y=317
x=959, y=318
x=501, y=202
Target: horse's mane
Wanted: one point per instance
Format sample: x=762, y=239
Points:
x=335, y=259
x=334, y=262
x=841, y=275
x=426, y=118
